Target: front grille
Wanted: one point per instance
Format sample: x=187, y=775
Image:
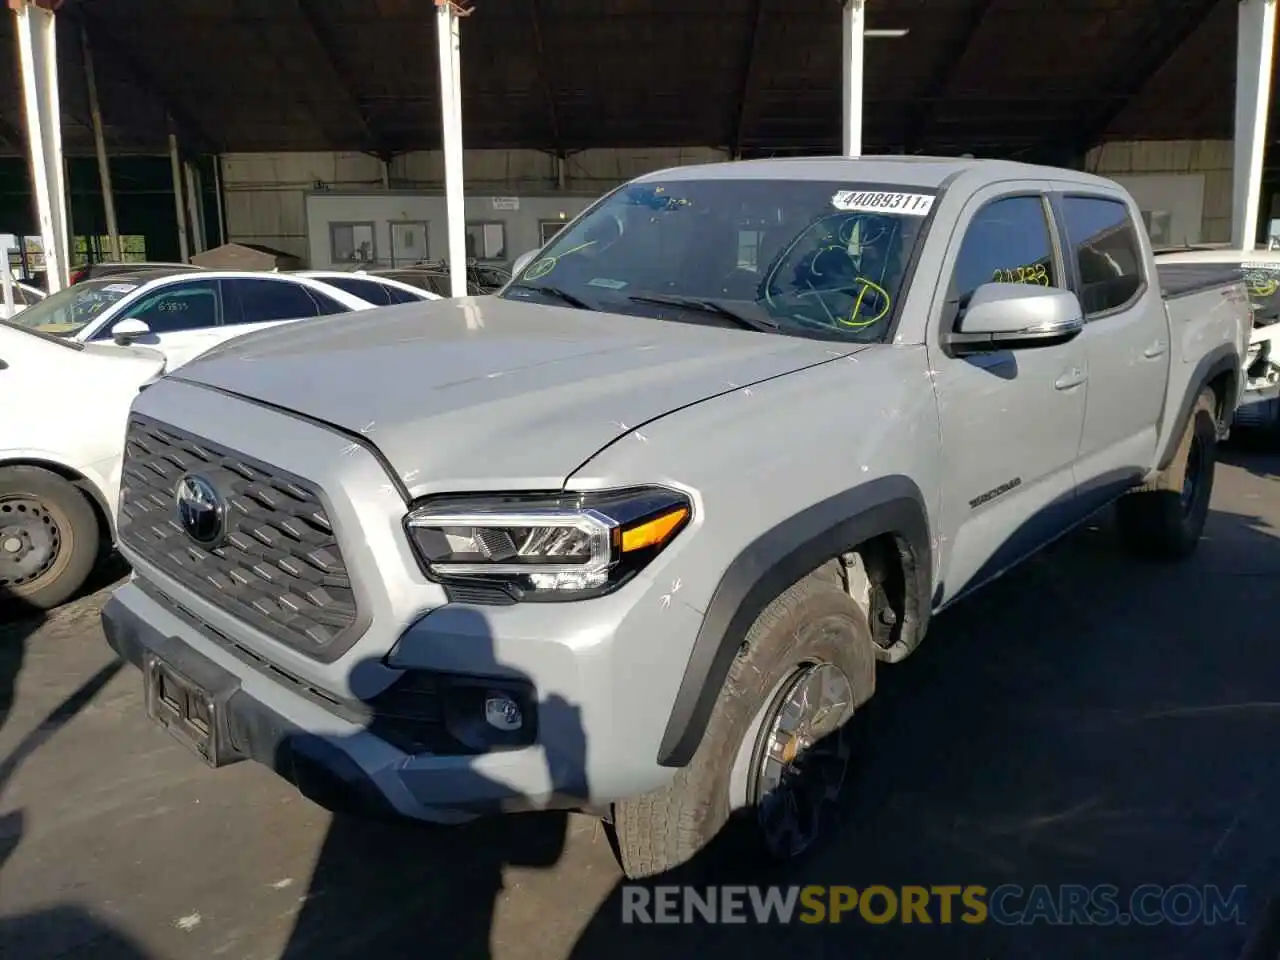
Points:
x=278, y=566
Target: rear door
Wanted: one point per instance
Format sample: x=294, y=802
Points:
x=1126, y=340
x=1011, y=419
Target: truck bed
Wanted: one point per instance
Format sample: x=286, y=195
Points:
x=1184, y=279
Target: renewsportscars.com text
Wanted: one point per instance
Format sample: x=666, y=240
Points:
x=1007, y=905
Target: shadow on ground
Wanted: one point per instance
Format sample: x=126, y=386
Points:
x=1086, y=720
x=72, y=927
x=397, y=890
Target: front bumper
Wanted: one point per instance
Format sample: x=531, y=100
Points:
x=336, y=763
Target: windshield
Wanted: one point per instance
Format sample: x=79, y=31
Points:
x=807, y=258
x=67, y=312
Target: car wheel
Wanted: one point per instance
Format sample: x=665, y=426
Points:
x=777, y=747
x=49, y=538
x=1164, y=519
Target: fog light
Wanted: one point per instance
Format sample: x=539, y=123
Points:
x=503, y=713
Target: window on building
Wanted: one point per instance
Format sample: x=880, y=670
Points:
x=749, y=249
x=486, y=241
x=352, y=243
x=408, y=242
x=548, y=229
x=1105, y=243
x=1007, y=241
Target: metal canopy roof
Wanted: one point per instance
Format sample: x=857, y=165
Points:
x=760, y=76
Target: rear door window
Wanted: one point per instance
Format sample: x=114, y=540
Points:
x=263, y=301
x=1105, y=244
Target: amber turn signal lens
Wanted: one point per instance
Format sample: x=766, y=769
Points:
x=654, y=532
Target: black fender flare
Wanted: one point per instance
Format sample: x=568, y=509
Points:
x=768, y=566
x=1224, y=359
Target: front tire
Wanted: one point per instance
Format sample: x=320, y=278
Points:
x=1165, y=519
x=777, y=744
x=49, y=538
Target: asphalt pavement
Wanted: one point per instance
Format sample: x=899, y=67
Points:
x=1086, y=720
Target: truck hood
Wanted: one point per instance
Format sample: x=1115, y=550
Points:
x=484, y=393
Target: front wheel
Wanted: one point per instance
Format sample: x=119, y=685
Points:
x=1165, y=519
x=49, y=538
x=777, y=747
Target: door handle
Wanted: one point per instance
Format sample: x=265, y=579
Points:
x=1157, y=349
x=1072, y=378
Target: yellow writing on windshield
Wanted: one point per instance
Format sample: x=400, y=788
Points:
x=1261, y=284
x=866, y=285
x=540, y=268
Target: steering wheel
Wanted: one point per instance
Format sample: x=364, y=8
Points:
x=860, y=291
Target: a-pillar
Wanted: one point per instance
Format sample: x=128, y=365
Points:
x=38, y=55
x=451, y=115
x=1255, y=46
x=852, y=33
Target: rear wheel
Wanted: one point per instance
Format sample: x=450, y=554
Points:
x=1165, y=519
x=49, y=538
x=778, y=744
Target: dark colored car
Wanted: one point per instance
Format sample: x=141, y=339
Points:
x=434, y=277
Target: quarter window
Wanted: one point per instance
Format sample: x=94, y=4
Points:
x=1007, y=241
x=1105, y=244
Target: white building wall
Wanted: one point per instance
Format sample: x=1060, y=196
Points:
x=1188, y=181
x=268, y=196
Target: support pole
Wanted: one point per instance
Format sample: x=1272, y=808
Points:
x=221, y=200
x=194, y=204
x=100, y=145
x=38, y=54
x=852, y=31
x=1255, y=49
x=175, y=165
x=451, y=115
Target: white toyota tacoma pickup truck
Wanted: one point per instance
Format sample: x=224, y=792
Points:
x=635, y=535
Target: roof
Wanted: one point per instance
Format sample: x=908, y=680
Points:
x=907, y=171
x=758, y=77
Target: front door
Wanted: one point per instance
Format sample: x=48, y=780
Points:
x=1011, y=419
x=183, y=319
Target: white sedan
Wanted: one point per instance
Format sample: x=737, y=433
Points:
x=182, y=313
x=66, y=407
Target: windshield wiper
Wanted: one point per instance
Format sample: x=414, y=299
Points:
x=708, y=306
x=565, y=295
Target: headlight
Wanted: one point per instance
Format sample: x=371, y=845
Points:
x=556, y=547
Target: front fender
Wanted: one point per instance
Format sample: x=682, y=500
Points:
x=772, y=562
x=99, y=479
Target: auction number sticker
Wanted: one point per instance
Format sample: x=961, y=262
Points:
x=120, y=287
x=876, y=201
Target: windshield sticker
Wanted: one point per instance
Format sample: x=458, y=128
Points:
x=120, y=287
x=874, y=201
x=607, y=283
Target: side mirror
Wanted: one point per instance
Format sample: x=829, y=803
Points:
x=1012, y=316
x=129, y=330
x=522, y=261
